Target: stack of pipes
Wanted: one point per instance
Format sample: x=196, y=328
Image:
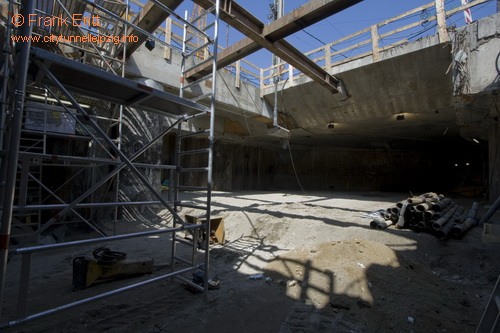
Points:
x=431, y=213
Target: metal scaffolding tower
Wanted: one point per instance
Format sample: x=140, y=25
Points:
x=187, y=165
x=82, y=88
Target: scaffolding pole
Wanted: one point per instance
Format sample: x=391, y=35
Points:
x=28, y=8
x=211, y=140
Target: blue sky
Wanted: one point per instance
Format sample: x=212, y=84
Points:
x=353, y=19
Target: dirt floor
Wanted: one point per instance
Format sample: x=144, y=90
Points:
x=292, y=262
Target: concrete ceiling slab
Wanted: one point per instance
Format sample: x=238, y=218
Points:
x=416, y=85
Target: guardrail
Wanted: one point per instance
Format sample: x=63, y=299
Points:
x=241, y=69
x=371, y=41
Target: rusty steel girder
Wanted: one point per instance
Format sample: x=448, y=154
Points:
x=271, y=36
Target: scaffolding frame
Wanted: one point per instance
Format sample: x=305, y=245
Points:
x=72, y=79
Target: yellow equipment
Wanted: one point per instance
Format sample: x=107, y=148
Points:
x=107, y=265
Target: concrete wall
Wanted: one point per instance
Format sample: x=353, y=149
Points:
x=477, y=56
x=476, y=79
x=154, y=65
x=494, y=160
x=427, y=85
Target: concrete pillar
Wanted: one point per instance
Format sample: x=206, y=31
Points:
x=494, y=160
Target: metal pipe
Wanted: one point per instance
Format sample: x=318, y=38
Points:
x=394, y=218
x=376, y=221
x=7, y=59
x=89, y=160
x=384, y=224
x=423, y=207
x=183, y=59
x=441, y=221
x=277, y=130
x=441, y=204
x=486, y=217
x=120, y=122
x=445, y=229
x=401, y=219
x=416, y=200
x=401, y=203
x=211, y=140
x=85, y=205
x=459, y=230
x=43, y=248
x=394, y=210
x=473, y=211
x=457, y=217
x=426, y=197
x=429, y=214
x=27, y=9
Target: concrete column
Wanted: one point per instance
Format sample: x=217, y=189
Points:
x=494, y=160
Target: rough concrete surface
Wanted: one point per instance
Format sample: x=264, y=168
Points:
x=319, y=266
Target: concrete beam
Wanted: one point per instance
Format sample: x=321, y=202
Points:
x=151, y=17
x=270, y=36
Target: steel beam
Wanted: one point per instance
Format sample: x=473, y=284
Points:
x=270, y=36
x=151, y=17
x=305, y=16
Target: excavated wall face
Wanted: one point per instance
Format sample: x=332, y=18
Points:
x=138, y=129
x=476, y=79
x=241, y=167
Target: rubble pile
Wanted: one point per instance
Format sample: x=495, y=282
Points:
x=431, y=213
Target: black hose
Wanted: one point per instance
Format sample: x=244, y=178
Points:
x=105, y=256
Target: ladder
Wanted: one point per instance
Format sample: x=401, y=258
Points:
x=490, y=322
x=194, y=158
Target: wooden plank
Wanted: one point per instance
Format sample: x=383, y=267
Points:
x=238, y=74
x=441, y=21
x=467, y=6
x=405, y=14
x=352, y=47
x=167, y=51
x=375, y=49
x=406, y=27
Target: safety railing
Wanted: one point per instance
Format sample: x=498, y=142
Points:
x=171, y=32
x=374, y=40
x=26, y=274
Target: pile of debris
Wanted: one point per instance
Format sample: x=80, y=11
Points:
x=431, y=213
